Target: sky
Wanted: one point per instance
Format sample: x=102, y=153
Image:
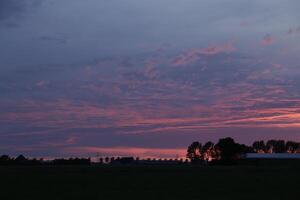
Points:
x=146, y=77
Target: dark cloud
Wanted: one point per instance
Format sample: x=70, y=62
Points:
x=9, y=8
x=15, y=8
x=59, y=39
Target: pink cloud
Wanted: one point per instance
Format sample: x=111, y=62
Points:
x=213, y=50
x=188, y=57
x=267, y=40
x=193, y=55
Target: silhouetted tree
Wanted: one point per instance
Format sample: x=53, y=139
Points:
x=208, y=151
x=229, y=149
x=194, y=152
x=21, y=160
x=280, y=146
x=246, y=149
x=259, y=146
x=292, y=147
x=112, y=159
x=270, y=145
x=276, y=146
x=72, y=161
x=4, y=158
x=207, y=146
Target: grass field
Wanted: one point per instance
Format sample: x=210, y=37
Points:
x=150, y=182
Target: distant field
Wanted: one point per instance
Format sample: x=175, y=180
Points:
x=156, y=182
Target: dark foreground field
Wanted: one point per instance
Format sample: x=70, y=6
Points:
x=156, y=182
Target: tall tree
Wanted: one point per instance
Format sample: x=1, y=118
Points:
x=280, y=146
x=229, y=149
x=276, y=146
x=207, y=151
x=270, y=146
x=292, y=147
x=259, y=146
x=194, y=152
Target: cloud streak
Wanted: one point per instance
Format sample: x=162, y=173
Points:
x=193, y=55
x=13, y=8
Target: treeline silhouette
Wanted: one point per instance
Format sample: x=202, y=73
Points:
x=228, y=150
x=22, y=160
x=137, y=160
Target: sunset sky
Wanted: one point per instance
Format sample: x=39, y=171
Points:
x=146, y=77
